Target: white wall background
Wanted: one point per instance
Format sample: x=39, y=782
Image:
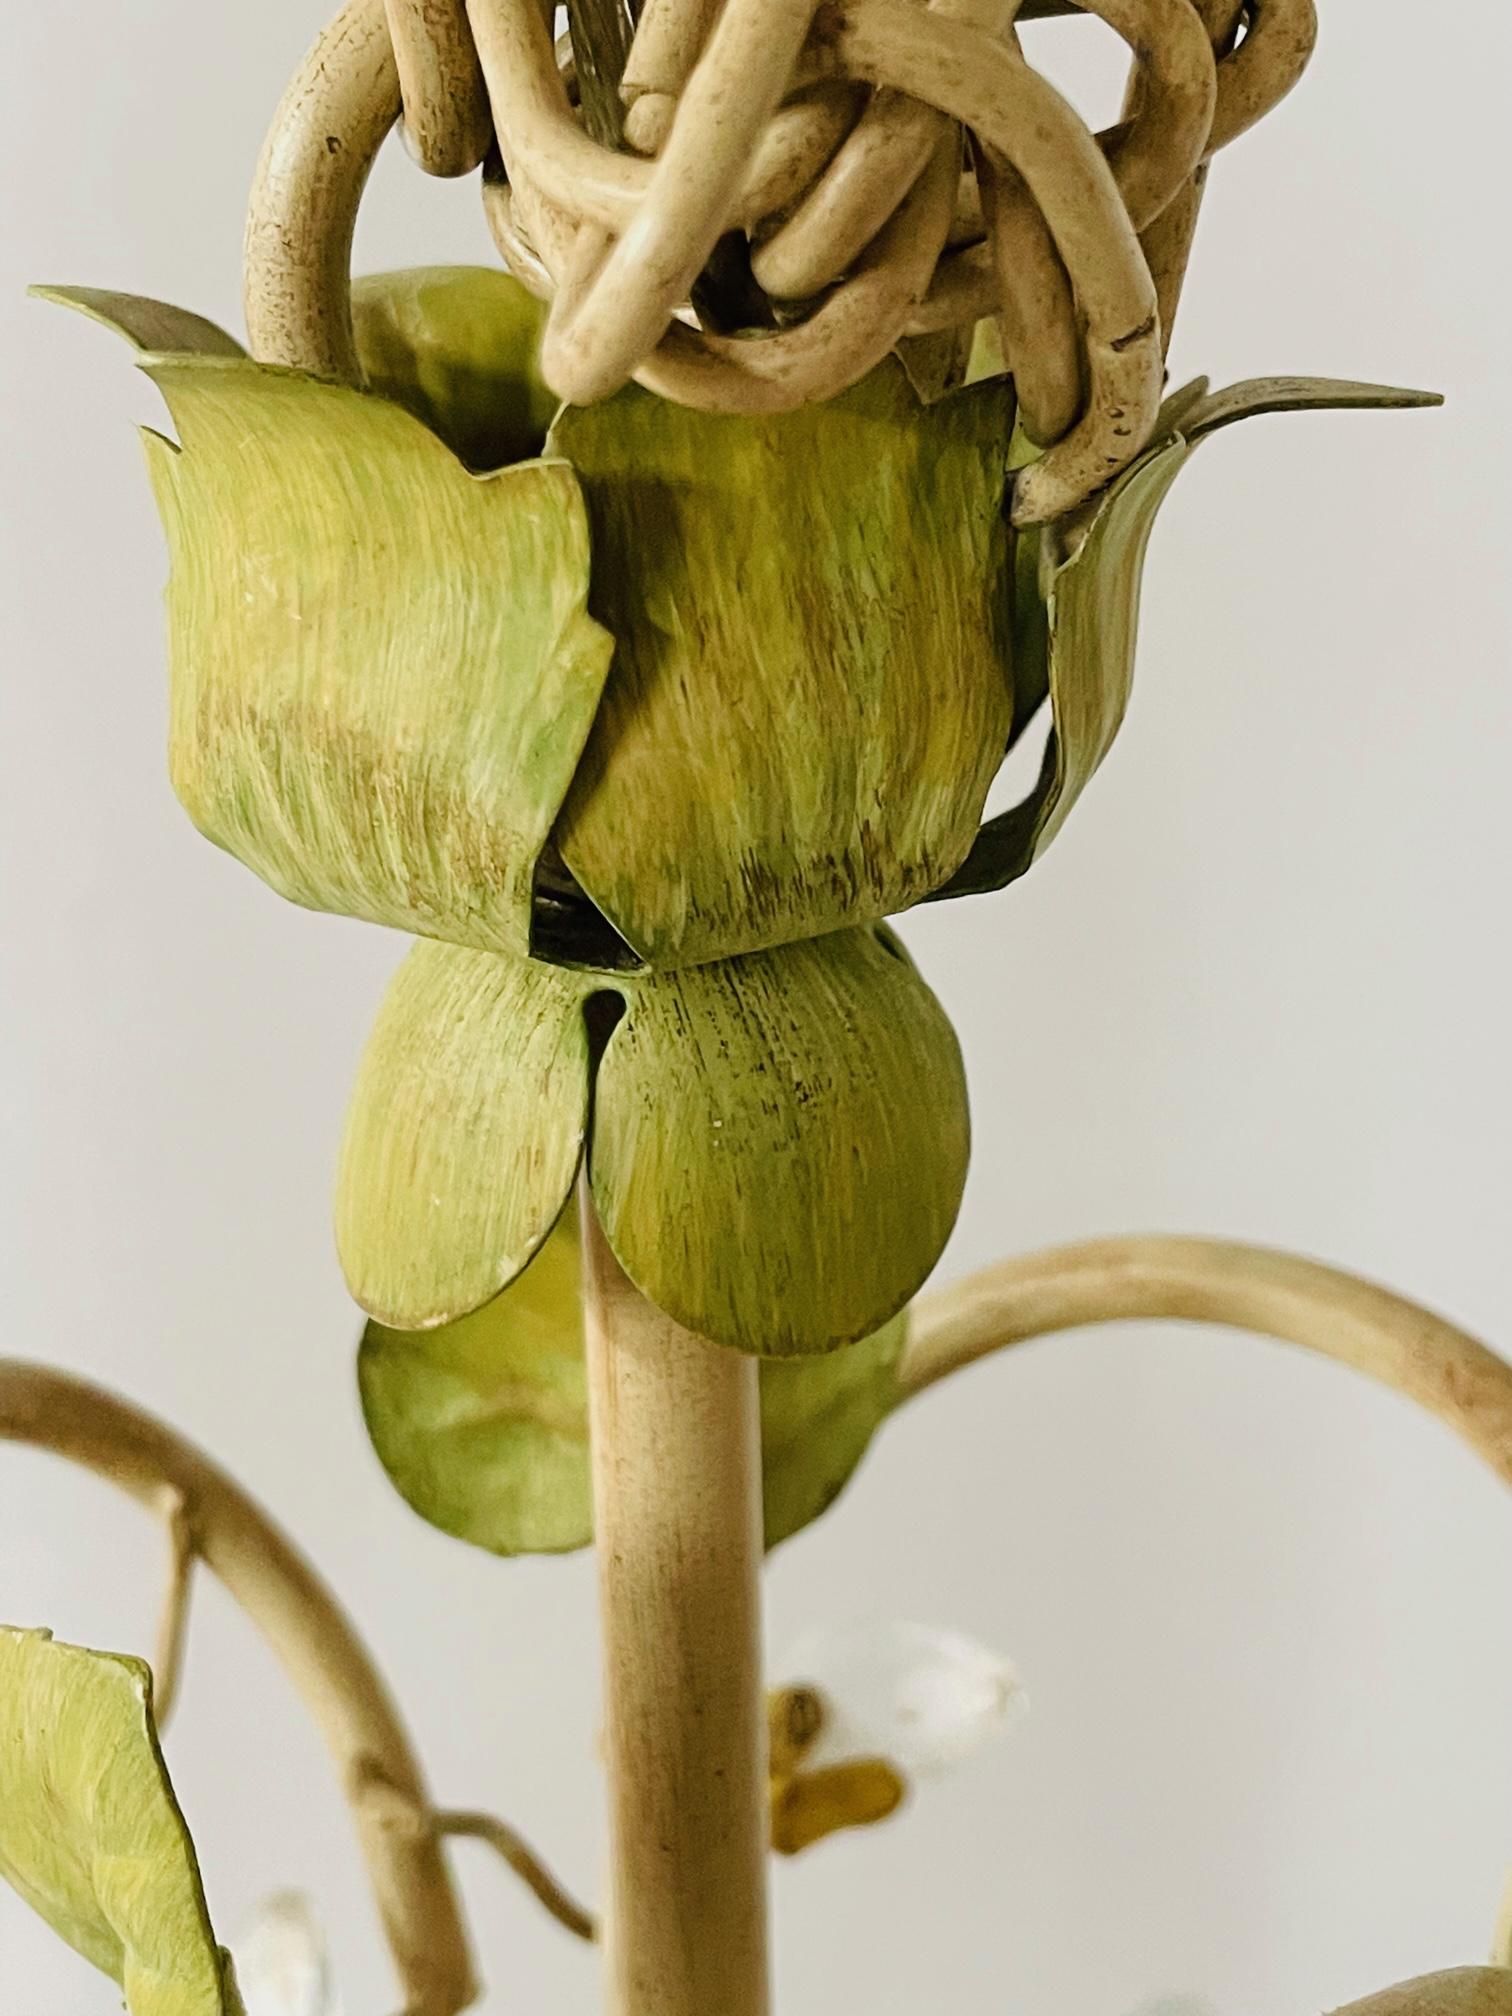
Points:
x=1261, y=987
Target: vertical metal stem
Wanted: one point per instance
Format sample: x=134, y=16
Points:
x=677, y=1512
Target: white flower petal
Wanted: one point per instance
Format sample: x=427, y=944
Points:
x=922, y=1698
x=281, y=1965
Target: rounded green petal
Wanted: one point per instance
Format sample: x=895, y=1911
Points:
x=457, y=346
x=482, y=1424
x=464, y=1133
x=780, y=1141
x=810, y=693
x=91, y=1835
x=818, y=1417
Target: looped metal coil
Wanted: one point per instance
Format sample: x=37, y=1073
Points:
x=884, y=169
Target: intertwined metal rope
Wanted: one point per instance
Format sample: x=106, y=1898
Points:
x=868, y=171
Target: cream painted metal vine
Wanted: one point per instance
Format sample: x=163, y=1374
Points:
x=209, y=1519
x=643, y=705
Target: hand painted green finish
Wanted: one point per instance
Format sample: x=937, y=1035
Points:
x=456, y=347
x=90, y=1833
x=383, y=668
x=390, y=698
x=149, y=326
x=811, y=690
x=1075, y=637
x=780, y=1142
x=384, y=677
x=778, y=1148
x=818, y=1417
x=464, y=1133
x=482, y=1425
x=383, y=672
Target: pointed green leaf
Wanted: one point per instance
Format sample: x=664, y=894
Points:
x=811, y=692
x=464, y=1133
x=1091, y=612
x=383, y=669
x=90, y=1832
x=457, y=347
x=153, y=326
x=780, y=1141
x=482, y=1424
x=1297, y=395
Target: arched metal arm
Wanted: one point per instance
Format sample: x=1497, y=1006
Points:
x=1337, y=1315
x=312, y=1637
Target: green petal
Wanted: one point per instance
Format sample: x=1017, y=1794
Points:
x=482, y=1425
x=90, y=1832
x=457, y=347
x=152, y=326
x=464, y=1134
x=780, y=1141
x=1079, y=646
x=778, y=1152
x=383, y=672
x=811, y=691
x=818, y=1417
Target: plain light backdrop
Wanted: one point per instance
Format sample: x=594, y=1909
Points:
x=1260, y=987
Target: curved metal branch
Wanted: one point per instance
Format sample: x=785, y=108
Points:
x=173, y=1618
x=312, y=1637
x=517, y=1852
x=1396, y=1342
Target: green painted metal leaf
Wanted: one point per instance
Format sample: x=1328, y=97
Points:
x=150, y=326
x=482, y=1425
x=383, y=670
x=90, y=1833
x=780, y=1142
x=778, y=1151
x=1090, y=612
x=464, y=1133
x=818, y=1417
x=812, y=689
x=457, y=347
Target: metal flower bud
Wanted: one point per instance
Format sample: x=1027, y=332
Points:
x=653, y=687
x=482, y=1423
x=776, y=1145
x=679, y=687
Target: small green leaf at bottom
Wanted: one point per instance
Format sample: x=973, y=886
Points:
x=482, y=1424
x=91, y=1835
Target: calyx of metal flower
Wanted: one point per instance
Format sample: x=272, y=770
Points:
x=382, y=667
x=1077, y=610
x=777, y=1152
x=385, y=676
x=482, y=1424
x=90, y=1833
x=811, y=689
